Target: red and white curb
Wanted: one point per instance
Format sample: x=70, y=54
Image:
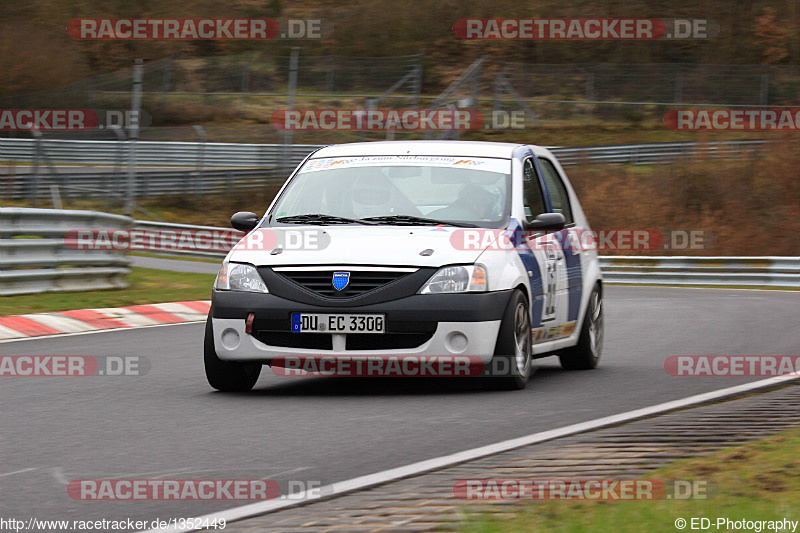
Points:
x=82, y=320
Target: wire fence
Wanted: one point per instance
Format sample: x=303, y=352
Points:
x=182, y=91
x=637, y=92
x=240, y=76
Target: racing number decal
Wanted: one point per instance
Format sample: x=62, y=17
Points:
x=551, y=280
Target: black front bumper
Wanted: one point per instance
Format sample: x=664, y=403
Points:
x=418, y=308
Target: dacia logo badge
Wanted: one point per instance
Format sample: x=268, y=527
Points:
x=340, y=280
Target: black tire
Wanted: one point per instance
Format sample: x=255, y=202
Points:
x=586, y=354
x=514, y=348
x=227, y=376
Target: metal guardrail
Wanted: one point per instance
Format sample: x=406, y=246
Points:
x=248, y=166
x=155, y=153
x=148, y=183
x=170, y=154
x=655, y=153
x=34, y=256
x=148, y=228
x=768, y=271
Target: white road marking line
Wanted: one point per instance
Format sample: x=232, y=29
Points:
x=394, y=474
x=58, y=474
x=17, y=472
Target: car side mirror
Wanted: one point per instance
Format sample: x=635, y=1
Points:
x=547, y=221
x=244, y=220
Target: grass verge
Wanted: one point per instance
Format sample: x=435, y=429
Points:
x=751, y=482
x=146, y=286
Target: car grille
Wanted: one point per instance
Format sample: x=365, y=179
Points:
x=321, y=281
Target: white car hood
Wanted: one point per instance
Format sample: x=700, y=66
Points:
x=352, y=245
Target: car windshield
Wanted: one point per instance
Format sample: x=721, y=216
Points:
x=407, y=190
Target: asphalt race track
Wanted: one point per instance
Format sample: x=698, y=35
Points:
x=169, y=424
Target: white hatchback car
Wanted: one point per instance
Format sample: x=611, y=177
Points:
x=418, y=248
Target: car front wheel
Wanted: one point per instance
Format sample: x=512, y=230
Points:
x=513, y=352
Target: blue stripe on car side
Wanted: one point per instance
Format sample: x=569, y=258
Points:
x=532, y=266
x=574, y=276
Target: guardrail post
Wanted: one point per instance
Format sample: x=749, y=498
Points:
x=589, y=92
x=417, y=83
x=198, y=185
x=245, y=87
x=55, y=197
x=679, y=87
x=136, y=101
x=114, y=188
x=37, y=154
x=165, y=82
x=329, y=75
x=288, y=136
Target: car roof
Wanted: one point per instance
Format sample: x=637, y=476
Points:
x=442, y=148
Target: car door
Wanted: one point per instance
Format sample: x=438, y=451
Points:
x=560, y=203
x=548, y=311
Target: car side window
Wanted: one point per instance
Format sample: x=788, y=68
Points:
x=532, y=192
x=559, y=198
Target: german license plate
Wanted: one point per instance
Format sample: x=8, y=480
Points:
x=337, y=323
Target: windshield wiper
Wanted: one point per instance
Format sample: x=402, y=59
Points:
x=319, y=218
x=410, y=220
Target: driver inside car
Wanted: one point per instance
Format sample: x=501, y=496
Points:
x=372, y=195
x=472, y=203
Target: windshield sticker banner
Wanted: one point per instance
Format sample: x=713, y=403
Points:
x=501, y=166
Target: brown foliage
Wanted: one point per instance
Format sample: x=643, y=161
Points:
x=33, y=59
x=772, y=37
x=753, y=207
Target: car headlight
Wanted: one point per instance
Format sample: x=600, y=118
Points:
x=449, y=279
x=239, y=277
